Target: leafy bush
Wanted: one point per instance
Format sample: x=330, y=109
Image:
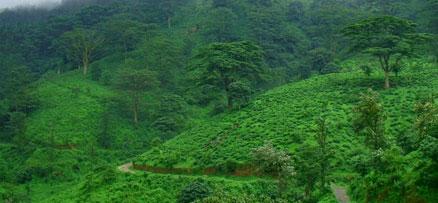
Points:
x=366, y=69
x=196, y=190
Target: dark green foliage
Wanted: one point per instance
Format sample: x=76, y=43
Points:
x=320, y=60
x=224, y=64
x=135, y=82
x=221, y=25
x=104, y=138
x=122, y=33
x=196, y=190
x=79, y=47
x=366, y=69
x=164, y=56
x=63, y=134
x=171, y=115
x=240, y=92
x=388, y=38
x=296, y=11
x=322, y=138
x=308, y=170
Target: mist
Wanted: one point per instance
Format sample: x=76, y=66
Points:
x=28, y=3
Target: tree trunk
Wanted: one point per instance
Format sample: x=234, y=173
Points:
x=307, y=191
x=169, y=22
x=85, y=70
x=387, y=85
x=135, y=109
x=86, y=60
x=323, y=179
x=230, y=102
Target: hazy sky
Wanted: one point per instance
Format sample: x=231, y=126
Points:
x=14, y=3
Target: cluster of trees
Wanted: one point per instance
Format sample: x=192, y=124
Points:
x=161, y=56
x=309, y=166
x=410, y=161
x=388, y=38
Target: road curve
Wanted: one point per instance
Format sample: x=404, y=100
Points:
x=126, y=168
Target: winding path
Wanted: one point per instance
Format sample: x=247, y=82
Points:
x=126, y=168
x=341, y=194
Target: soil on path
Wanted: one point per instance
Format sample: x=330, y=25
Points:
x=126, y=168
x=341, y=194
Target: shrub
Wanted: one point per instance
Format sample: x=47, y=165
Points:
x=196, y=190
x=366, y=69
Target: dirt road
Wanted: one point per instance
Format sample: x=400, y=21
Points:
x=341, y=194
x=126, y=168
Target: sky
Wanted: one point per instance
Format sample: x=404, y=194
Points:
x=15, y=3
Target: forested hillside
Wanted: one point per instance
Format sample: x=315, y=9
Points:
x=219, y=101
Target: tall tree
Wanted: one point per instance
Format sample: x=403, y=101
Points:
x=369, y=120
x=134, y=82
x=163, y=55
x=222, y=64
x=221, y=25
x=122, y=33
x=427, y=118
x=80, y=44
x=320, y=60
x=321, y=137
x=307, y=167
x=388, y=38
x=272, y=161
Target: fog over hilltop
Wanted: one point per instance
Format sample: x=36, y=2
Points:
x=20, y=3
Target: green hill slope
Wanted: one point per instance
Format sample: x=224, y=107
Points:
x=70, y=110
x=65, y=134
x=286, y=116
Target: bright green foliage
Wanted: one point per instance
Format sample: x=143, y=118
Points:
x=294, y=107
x=388, y=38
x=427, y=118
x=369, y=120
x=224, y=64
x=271, y=161
x=67, y=103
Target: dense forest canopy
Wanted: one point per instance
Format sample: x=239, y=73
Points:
x=219, y=101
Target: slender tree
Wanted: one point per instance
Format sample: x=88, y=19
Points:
x=369, y=120
x=80, y=44
x=134, y=82
x=426, y=123
x=321, y=137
